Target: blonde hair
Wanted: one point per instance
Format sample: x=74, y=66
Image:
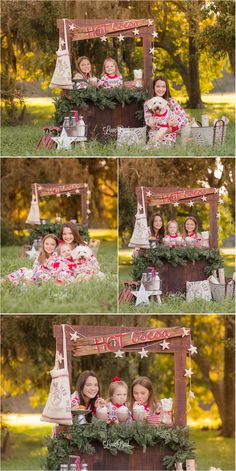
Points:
x=62, y=245
x=113, y=386
x=171, y=222
x=110, y=59
x=43, y=255
x=147, y=384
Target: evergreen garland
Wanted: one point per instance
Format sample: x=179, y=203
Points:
x=176, y=257
x=119, y=438
x=102, y=98
x=50, y=228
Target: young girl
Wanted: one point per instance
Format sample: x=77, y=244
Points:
x=64, y=266
x=111, y=77
x=71, y=236
x=161, y=89
x=84, y=70
x=156, y=227
x=117, y=393
x=142, y=394
x=87, y=393
x=42, y=269
x=191, y=229
x=171, y=233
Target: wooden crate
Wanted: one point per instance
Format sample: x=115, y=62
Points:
x=174, y=278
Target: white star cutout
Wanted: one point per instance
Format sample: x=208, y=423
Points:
x=31, y=253
x=119, y=354
x=103, y=38
x=62, y=42
x=136, y=32
x=149, y=194
x=143, y=353
x=88, y=211
x=140, y=207
x=142, y=296
x=190, y=203
x=176, y=204
x=59, y=357
x=58, y=195
x=40, y=188
x=191, y=395
x=150, y=22
x=151, y=50
x=192, y=349
x=88, y=192
x=72, y=27
x=87, y=202
x=216, y=190
x=220, y=201
x=185, y=332
x=155, y=34
x=217, y=215
x=64, y=141
x=204, y=198
x=86, y=184
x=165, y=345
x=121, y=37
x=188, y=372
x=77, y=191
x=68, y=194
x=74, y=336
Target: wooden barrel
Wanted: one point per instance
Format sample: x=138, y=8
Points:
x=174, y=278
x=102, y=124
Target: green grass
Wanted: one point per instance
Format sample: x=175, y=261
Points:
x=175, y=303
x=27, y=450
x=91, y=296
x=21, y=140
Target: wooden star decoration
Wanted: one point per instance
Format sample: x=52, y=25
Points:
x=72, y=27
x=204, y=198
x=62, y=42
x=143, y=353
x=192, y=349
x=150, y=22
x=119, y=354
x=191, y=395
x=75, y=336
x=217, y=215
x=155, y=34
x=87, y=202
x=142, y=296
x=77, y=191
x=176, y=204
x=121, y=37
x=151, y=50
x=188, y=372
x=220, y=201
x=165, y=345
x=103, y=38
x=185, y=332
x=216, y=190
x=64, y=141
x=68, y=194
x=88, y=211
x=135, y=31
x=149, y=194
x=59, y=357
x=140, y=207
x=58, y=195
x=190, y=203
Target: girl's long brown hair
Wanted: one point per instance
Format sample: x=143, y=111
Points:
x=167, y=94
x=77, y=237
x=185, y=234
x=146, y=383
x=42, y=253
x=161, y=232
x=80, y=386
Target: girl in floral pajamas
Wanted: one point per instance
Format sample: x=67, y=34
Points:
x=180, y=123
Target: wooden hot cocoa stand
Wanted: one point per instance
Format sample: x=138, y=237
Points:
x=174, y=277
x=106, y=339
x=102, y=123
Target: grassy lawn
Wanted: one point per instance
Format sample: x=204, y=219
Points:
x=91, y=296
x=41, y=113
x=27, y=449
x=175, y=303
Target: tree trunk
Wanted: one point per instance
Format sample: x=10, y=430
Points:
x=195, y=100
x=229, y=378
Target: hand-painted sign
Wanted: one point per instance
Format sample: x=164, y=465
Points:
x=101, y=29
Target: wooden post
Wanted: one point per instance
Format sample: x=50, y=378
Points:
x=84, y=206
x=147, y=44
x=213, y=223
x=180, y=388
